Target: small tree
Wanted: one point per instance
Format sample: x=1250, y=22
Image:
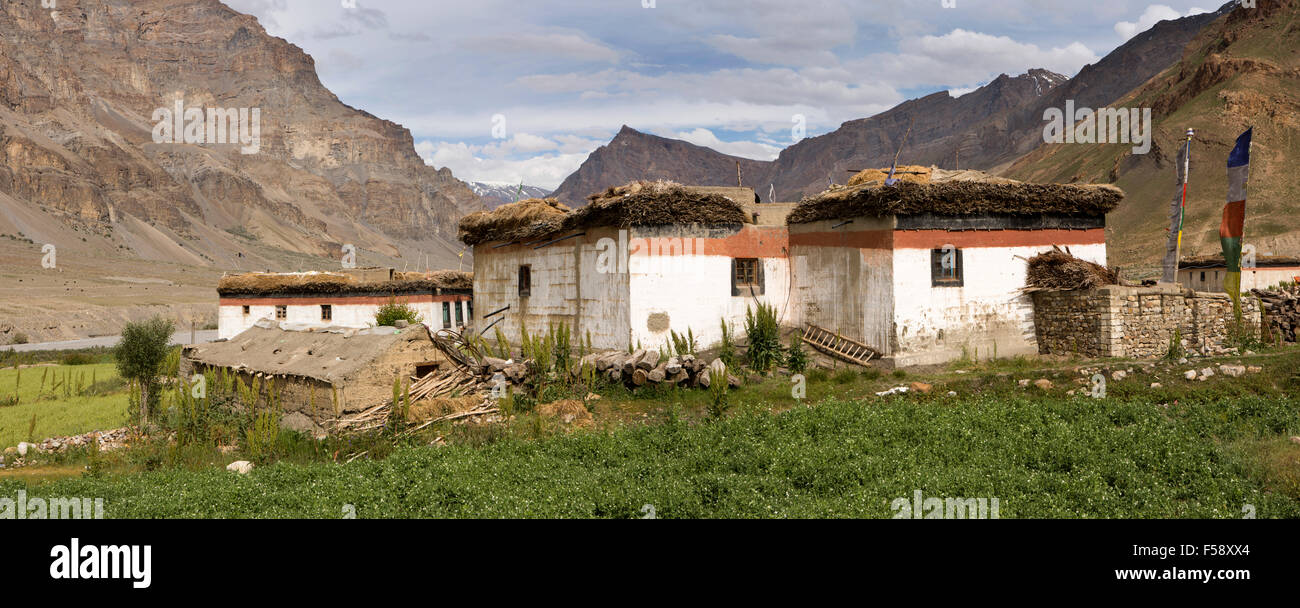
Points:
x=392, y=312
x=141, y=355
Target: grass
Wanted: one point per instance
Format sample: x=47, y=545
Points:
x=1212, y=449
x=100, y=406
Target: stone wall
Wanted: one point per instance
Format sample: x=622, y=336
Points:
x=1136, y=322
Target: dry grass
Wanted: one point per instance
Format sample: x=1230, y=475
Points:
x=1057, y=269
x=261, y=283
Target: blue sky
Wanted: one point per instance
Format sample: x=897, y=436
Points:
x=557, y=78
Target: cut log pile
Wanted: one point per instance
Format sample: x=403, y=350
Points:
x=1282, y=307
x=642, y=367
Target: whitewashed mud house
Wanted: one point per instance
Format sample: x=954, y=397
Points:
x=1207, y=273
x=343, y=299
x=320, y=374
x=639, y=261
x=932, y=268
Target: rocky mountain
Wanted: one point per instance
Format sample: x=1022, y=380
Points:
x=985, y=129
x=1242, y=70
x=495, y=194
x=114, y=141
x=634, y=155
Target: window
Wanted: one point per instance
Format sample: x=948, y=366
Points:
x=946, y=268
x=247, y=310
x=326, y=312
x=469, y=309
x=281, y=313
x=1202, y=276
x=746, y=277
x=525, y=281
x=460, y=315
x=446, y=315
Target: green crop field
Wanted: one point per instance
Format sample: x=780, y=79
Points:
x=64, y=399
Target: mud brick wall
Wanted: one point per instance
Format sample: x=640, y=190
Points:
x=1136, y=322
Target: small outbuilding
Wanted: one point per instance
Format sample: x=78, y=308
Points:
x=1206, y=273
x=321, y=373
x=931, y=268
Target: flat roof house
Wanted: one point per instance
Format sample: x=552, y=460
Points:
x=932, y=268
x=639, y=261
x=1207, y=273
x=345, y=298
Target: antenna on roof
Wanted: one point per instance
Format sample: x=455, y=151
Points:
x=740, y=183
x=889, y=181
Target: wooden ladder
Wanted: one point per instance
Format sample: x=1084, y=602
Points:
x=838, y=346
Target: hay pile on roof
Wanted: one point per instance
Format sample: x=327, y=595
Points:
x=327, y=283
x=956, y=193
x=513, y=221
x=906, y=173
x=641, y=203
x=1059, y=270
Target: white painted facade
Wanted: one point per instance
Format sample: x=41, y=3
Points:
x=1211, y=279
x=629, y=287
x=235, y=315
x=987, y=317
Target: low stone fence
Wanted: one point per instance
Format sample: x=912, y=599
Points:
x=1137, y=322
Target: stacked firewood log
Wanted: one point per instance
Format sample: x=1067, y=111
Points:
x=642, y=367
x=1282, y=307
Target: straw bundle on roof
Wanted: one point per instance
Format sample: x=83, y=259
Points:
x=267, y=283
x=513, y=221
x=957, y=193
x=908, y=173
x=640, y=203
x=1057, y=269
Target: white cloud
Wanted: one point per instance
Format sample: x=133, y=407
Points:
x=743, y=149
x=1151, y=16
x=964, y=58
x=488, y=164
x=553, y=45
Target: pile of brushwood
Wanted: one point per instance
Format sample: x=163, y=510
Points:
x=1060, y=270
x=1282, y=307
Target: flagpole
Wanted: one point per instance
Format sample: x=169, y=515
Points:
x=1182, y=208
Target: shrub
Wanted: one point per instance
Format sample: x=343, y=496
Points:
x=78, y=359
x=389, y=314
x=797, y=358
x=19, y=338
x=683, y=344
x=764, y=334
x=718, y=402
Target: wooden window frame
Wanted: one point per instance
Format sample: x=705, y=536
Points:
x=247, y=310
x=460, y=314
x=446, y=315
x=747, y=277
x=937, y=278
x=282, y=313
x=327, y=312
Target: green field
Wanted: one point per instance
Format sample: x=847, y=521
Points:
x=93, y=399
x=1131, y=457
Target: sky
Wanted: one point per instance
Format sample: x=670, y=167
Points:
x=524, y=90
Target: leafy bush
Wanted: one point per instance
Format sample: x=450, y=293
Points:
x=718, y=402
x=78, y=359
x=389, y=314
x=19, y=338
x=796, y=358
x=764, y=335
x=727, y=346
x=141, y=355
x=683, y=344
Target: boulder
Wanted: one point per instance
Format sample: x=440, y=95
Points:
x=1190, y=374
x=1043, y=383
x=921, y=387
x=243, y=467
x=1233, y=371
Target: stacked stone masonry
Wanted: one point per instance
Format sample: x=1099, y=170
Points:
x=1138, y=322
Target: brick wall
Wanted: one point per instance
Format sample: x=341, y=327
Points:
x=1136, y=322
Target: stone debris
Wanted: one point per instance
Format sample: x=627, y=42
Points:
x=1295, y=440
x=1233, y=371
x=1254, y=369
x=952, y=393
x=1206, y=373
x=243, y=467
x=1190, y=374
x=1023, y=383
x=1043, y=383
x=1156, y=385
x=1119, y=374
x=921, y=387
x=897, y=390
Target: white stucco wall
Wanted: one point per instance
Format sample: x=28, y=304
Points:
x=843, y=287
x=1257, y=278
x=985, y=317
x=566, y=287
x=232, y=321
